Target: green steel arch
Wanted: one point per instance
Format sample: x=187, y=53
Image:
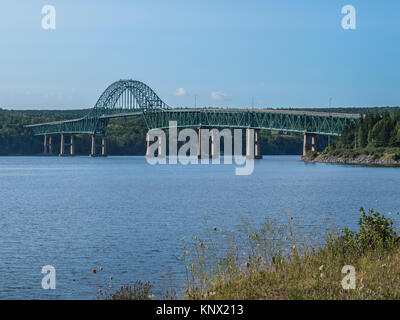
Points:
x=136, y=96
x=125, y=98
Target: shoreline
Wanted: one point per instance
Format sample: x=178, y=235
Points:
x=360, y=160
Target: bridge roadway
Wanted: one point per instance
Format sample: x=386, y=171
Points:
x=129, y=98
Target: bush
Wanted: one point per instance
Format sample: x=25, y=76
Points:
x=376, y=231
x=139, y=291
x=312, y=154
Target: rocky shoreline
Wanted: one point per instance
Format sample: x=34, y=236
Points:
x=361, y=160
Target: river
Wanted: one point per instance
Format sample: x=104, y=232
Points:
x=121, y=213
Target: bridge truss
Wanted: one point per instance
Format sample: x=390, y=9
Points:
x=127, y=98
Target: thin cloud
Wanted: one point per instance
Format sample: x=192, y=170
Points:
x=180, y=92
x=220, y=96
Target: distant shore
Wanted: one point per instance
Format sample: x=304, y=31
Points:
x=360, y=160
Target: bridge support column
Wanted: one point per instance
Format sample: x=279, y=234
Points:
x=45, y=146
x=103, y=146
x=147, y=145
x=93, y=147
x=72, y=145
x=199, y=143
x=62, y=145
x=213, y=154
x=249, y=144
x=50, y=145
x=304, y=144
x=313, y=146
x=257, y=145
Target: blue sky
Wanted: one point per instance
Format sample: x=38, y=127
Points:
x=284, y=53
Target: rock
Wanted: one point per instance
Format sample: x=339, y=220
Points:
x=360, y=160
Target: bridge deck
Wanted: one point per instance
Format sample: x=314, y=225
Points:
x=276, y=111
x=279, y=111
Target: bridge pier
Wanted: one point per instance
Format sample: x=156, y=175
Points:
x=313, y=147
x=257, y=145
x=72, y=146
x=199, y=143
x=93, y=147
x=305, y=143
x=50, y=145
x=102, y=145
x=64, y=144
x=45, y=146
x=249, y=144
x=213, y=154
x=253, y=148
x=147, y=145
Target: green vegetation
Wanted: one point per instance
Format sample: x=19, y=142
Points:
x=124, y=136
x=377, y=136
x=135, y=291
x=271, y=262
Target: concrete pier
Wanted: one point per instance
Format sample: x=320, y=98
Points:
x=199, y=143
x=102, y=145
x=249, y=143
x=64, y=144
x=72, y=146
x=257, y=145
x=305, y=143
x=313, y=146
x=147, y=145
x=93, y=147
x=214, y=151
x=45, y=147
x=50, y=145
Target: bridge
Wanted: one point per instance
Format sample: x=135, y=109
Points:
x=131, y=98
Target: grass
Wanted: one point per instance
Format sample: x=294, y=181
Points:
x=270, y=262
x=273, y=265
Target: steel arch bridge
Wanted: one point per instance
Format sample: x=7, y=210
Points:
x=127, y=98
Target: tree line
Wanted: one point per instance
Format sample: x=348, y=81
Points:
x=377, y=134
x=375, y=129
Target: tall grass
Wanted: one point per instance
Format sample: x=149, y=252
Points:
x=270, y=263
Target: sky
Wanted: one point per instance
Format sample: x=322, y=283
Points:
x=270, y=53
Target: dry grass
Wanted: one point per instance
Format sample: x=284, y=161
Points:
x=270, y=264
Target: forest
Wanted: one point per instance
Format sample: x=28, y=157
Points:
x=376, y=134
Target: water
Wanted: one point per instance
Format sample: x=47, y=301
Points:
x=129, y=217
